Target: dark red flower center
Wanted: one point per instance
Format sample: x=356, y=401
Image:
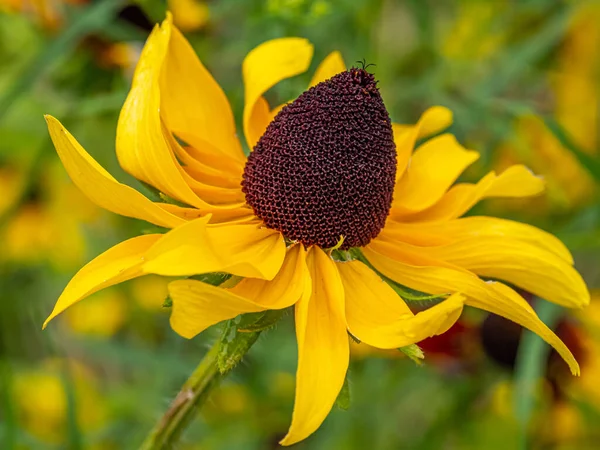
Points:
x=326, y=165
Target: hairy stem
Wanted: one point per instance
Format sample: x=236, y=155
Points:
x=193, y=393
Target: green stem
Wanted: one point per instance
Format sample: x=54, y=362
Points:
x=530, y=366
x=193, y=393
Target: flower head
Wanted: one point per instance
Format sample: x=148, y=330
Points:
x=333, y=212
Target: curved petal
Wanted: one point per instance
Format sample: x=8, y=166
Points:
x=516, y=181
x=99, y=186
x=323, y=348
x=490, y=296
x=192, y=102
x=145, y=148
x=263, y=68
x=197, y=247
x=330, y=66
x=197, y=305
x=433, y=168
x=523, y=264
x=120, y=263
x=379, y=317
x=433, y=120
x=285, y=289
x=441, y=233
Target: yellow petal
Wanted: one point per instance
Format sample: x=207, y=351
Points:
x=516, y=181
x=99, y=186
x=433, y=120
x=263, y=68
x=330, y=66
x=523, y=264
x=441, y=233
x=379, y=317
x=118, y=264
x=323, y=349
x=192, y=102
x=433, y=168
x=197, y=305
x=490, y=296
x=285, y=289
x=144, y=145
x=197, y=247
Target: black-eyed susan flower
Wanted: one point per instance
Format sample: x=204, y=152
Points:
x=328, y=174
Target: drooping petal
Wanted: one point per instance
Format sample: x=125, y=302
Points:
x=516, y=181
x=263, y=68
x=192, y=102
x=197, y=305
x=120, y=263
x=490, y=296
x=441, y=233
x=523, y=264
x=379, y=317
x=323, y=348
x=433, y=168
x=434, y=120
x=330, y=66
x=99, y=186
x=145, y=147
x=197, y=247
x=285, y=289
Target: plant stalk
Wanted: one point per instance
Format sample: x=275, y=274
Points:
x=193, y=393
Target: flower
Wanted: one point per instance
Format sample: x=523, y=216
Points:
x=320, y=181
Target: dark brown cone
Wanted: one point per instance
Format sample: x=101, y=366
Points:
x=326, y=165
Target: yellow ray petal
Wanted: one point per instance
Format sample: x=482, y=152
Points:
x=285, y=289
x=379, y=317
x=118, y=264
x=144, y=145
x=490, y=296
x=99, y=186
x=197, y=305
x=433, y=120
x=433, y=168
x=440, y=233
x=323, y=349
x=192, y=102
x=263, y=68
x=330, y=66
x=516, y=181
x=523, y=264
x=197, y=247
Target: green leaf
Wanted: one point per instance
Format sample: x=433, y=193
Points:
x=343, y=399
x=233, y=345
x=531, y=365
x=241, y=333
x=414, y=352
x=260, y=321
x=213, y=278
x=416, y=299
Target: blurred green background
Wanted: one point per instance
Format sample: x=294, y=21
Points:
x=523, y=79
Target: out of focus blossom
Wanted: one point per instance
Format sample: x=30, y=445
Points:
x=42, y=399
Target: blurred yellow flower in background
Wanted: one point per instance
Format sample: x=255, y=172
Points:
x=102, y=315
x=576, y=88
x=328, y=175
x=47, y=226
x=41, y=399
x=189, y=15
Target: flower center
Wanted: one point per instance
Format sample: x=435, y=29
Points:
x=326, y=165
